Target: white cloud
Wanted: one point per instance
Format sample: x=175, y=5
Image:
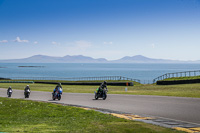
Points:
x=55, y=43
x=4, y=41
x=19, y=40
x=35, y=42
x=107, y=42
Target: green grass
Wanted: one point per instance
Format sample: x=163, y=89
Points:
x=18, y=115
x=183, y=90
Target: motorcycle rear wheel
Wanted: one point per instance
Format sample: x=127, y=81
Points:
x=104, y=97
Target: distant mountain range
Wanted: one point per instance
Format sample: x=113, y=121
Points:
x=86, y=59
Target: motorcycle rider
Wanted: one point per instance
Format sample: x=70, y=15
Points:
x=58, y=88
x=102, y=86
x=9, y=89
x=26, y=88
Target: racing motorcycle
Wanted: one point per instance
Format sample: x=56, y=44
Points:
x=27, y=93
x=9, y=93
x=102, y=93
x=56, y=95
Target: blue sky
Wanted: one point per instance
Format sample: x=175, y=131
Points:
x=111, y=29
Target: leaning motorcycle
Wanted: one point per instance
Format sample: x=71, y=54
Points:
x=100, y=94
x=56, y=95
x=27, y=93
x=9, y=93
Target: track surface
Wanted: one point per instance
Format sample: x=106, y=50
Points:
x=177, y=108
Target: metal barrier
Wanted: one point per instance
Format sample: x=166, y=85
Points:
x=177, y=74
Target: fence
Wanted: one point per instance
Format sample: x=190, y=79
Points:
x=77, y=78
x=177, y=74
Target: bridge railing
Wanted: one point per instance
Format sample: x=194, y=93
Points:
x=177, y=74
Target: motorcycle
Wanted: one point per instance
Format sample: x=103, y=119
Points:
x=27, y=93
x=56, y=95
x=9, y=93
x=100, y=94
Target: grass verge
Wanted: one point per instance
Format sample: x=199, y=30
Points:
x=182, y=90
x=29, y=116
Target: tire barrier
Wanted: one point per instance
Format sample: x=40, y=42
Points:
x=89, y=83
x=192, y=81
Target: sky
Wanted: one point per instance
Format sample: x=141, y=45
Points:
x=111, y=29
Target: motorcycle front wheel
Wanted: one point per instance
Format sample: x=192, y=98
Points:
x=96, y=96
x=104, y=97
x=59, y=97
x=53, y=98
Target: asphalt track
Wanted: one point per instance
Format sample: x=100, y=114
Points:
x=176, y=108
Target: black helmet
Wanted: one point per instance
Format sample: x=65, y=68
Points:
x=105, y=82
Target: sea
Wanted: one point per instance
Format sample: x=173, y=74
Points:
x=143, y=72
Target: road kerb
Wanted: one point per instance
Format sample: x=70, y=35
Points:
x=176, y=125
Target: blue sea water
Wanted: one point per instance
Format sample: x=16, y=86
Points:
x=72, y=70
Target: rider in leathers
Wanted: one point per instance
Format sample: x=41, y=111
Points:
x=9, y=90
x=102, y=86
x=58, y=88
x=27, y=88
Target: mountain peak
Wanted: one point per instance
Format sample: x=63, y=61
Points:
x=140, y=56
x=136, y=57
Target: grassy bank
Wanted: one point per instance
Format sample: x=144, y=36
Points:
x=28, y=116
x=183, y=90
x=182, y=78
